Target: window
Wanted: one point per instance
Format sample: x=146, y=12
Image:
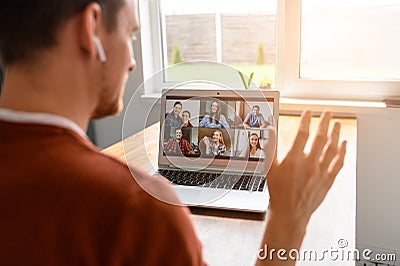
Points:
x=350, y=40
x=318, y=49
x=238, y=33
x=241, y=34
x=340, y=49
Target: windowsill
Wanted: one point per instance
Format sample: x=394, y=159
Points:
x=150, y=97
x=295, y=106
x=341, y=108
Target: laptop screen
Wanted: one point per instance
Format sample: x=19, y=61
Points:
x=222, y=127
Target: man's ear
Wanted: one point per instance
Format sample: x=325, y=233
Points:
x=90, y=29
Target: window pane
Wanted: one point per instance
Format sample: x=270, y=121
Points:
x=238, y=33
x=350, y=39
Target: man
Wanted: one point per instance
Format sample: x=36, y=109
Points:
x=173, y=119
x=255, y=119
x=177, y=145
x=62, y=201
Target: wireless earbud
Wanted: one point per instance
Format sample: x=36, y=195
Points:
x=100, y=49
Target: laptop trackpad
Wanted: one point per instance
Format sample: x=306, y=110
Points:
x=210, y=195
x=186, y=196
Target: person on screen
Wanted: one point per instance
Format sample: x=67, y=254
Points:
x=186, y=125
x=177, y=145
x=255, y=119
x=186, y=119
x=173, y=119
x=214, y=119
x=253, y=150
x=214, y=146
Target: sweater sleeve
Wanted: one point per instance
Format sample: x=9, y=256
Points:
x=203, y=122
x=159, y=233
x=223, y=121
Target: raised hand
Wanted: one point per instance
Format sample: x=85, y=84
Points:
x=299, y=183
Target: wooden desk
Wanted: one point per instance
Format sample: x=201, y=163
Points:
x=233, y=238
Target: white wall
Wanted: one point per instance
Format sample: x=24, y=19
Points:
x=378, y=177
x=378, y=180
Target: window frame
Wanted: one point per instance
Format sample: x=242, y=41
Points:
x=292, y=86
x=288, y=81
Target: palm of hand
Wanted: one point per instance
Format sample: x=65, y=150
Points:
x=299, y=183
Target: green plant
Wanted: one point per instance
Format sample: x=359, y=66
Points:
x=260, y=59
x=247, y=83
x=176, y=55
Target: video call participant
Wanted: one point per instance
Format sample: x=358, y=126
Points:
x=173, y=119
x=214, y=119
x=186, y=125
x=214, y=146
x=186, y=119
x=255, y=119
x=253, y=149
x=177, y=145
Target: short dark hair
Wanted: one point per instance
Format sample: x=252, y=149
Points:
x=176, y=103
x=256, y=106
x=27, y=26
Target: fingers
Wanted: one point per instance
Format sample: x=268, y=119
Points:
x=303, y=133
x=321, y=137
x=331, y=150
x=337, y=162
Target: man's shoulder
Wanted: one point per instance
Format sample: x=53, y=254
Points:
x=184, y=140
x=75, y=161
x=51, y=152
x=72, y=163
x=84, y=188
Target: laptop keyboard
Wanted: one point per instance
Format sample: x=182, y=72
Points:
x=214, y=180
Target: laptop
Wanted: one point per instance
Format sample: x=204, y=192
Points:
x=209, y=146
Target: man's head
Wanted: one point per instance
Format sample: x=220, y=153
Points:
x=178, y=133
x=70, y=35
x=29, y=27
x=256, y=109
